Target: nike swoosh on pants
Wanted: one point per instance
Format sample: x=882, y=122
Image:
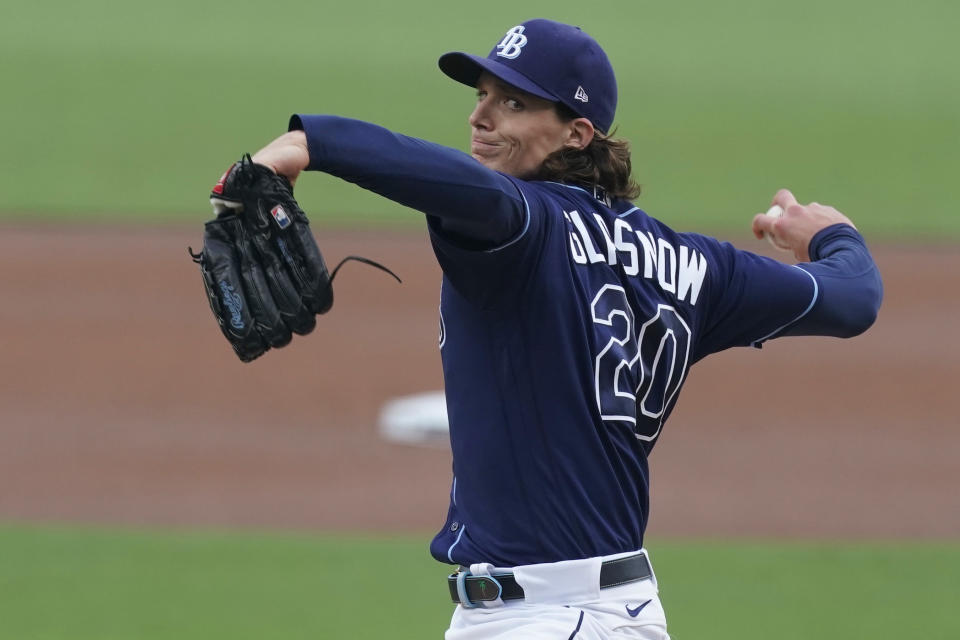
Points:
x=633, y=613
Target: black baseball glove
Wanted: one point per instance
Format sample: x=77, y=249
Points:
x=263, y=272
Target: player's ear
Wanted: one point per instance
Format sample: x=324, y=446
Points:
x=579, y=133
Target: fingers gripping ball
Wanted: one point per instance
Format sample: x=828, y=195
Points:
x=262, y=270
x=775, y=212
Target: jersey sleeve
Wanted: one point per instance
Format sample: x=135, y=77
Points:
x=849, y=283
x=755, y=299
x=467, y=199
x=497, y=273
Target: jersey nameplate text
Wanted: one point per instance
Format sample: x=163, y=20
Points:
x=679, y=271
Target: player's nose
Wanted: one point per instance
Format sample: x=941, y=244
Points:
x=480, y=116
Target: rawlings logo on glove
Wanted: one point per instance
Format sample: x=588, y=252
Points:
x=264, y=280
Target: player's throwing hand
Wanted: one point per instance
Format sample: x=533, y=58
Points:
x=795, y=228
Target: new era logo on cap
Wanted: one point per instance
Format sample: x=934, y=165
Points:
x=581, y=95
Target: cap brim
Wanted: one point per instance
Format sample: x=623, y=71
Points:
x=466, y=68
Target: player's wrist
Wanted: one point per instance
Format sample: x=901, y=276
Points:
x=823, y=241
x=286, y=156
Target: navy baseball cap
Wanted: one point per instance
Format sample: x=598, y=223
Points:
x=551, y=60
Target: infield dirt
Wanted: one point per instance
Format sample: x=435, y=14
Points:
x=121, y=403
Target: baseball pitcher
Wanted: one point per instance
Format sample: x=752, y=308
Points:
x=569, y=318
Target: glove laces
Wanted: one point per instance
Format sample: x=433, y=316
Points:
x=367, y=261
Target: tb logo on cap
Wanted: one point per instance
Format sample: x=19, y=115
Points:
x=512, y=43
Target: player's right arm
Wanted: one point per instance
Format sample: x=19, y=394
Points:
x=849, y=288
x=798, y=224
x=837, y=291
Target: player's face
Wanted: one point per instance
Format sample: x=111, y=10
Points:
x=514, y=131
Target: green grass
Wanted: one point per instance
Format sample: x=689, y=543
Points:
x=807, y=590
x=98, y=584
x=132, y=109
x=80, y=584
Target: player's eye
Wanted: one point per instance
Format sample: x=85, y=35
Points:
x=481, y=95
x=513, y=104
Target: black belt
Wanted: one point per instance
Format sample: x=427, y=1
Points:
x=504, y=585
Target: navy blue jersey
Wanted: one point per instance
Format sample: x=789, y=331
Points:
x=568, y=327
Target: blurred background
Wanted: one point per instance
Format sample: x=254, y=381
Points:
x=126, y=108
x=151, y=486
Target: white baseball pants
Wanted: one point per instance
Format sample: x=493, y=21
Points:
x=564, y=602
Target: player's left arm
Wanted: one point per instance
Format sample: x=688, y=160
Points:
x=462, y=196
x=287, y=155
